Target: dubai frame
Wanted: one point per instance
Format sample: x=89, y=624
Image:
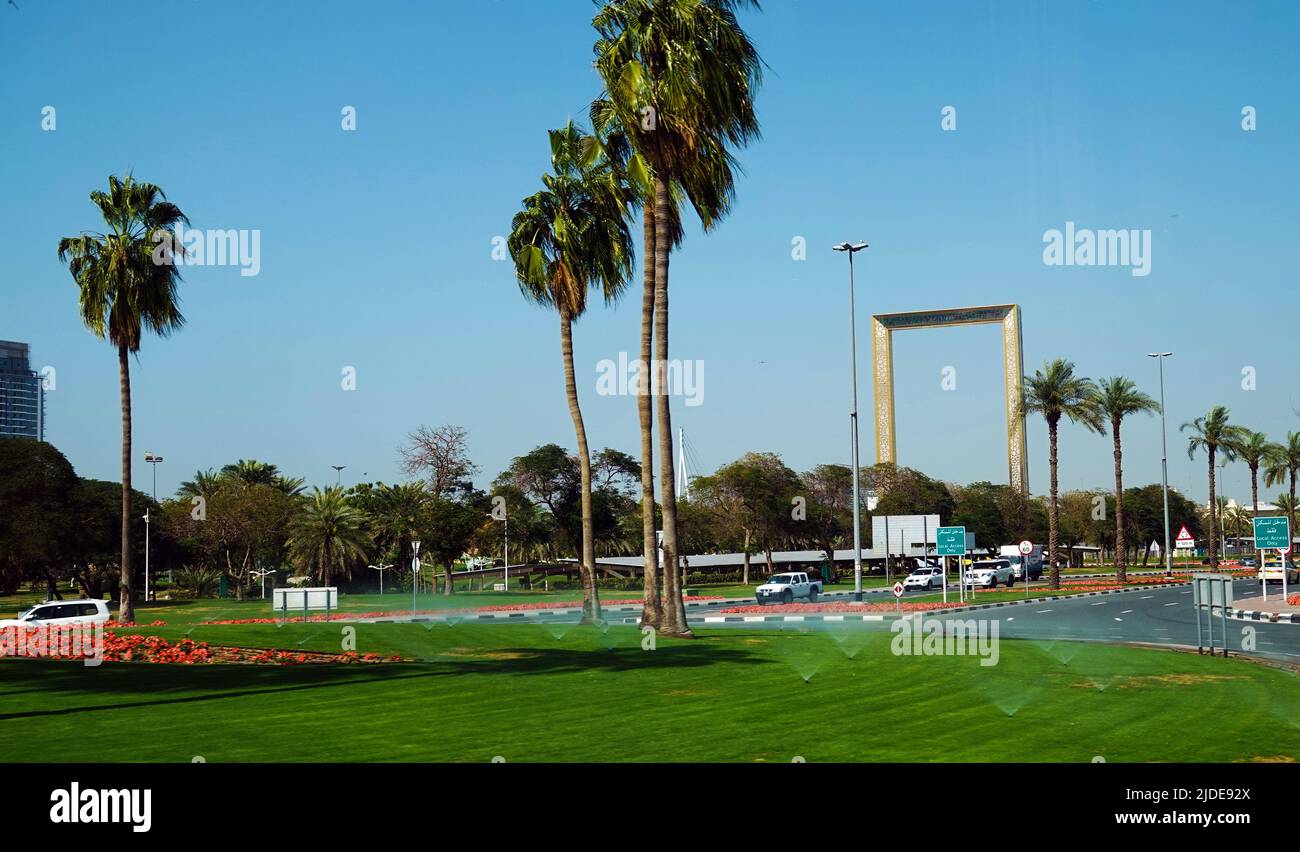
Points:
x=883, y=327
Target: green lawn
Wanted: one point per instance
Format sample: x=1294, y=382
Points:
x=568, y=693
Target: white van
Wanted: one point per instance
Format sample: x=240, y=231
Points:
x=84, y=610
x=1034, y=561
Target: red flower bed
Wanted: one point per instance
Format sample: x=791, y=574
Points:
x=1293, y=600
x=405, y=613
x=139, y=648
x=838, y=607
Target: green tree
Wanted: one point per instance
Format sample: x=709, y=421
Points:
x=1214, y=434
x=1283, y=465
x=829, y=491
x=1117, y=398
x=1056, y=392
x=1255, y=450
x=326, y=537
x=570, y=237
x=978, y=508
x=679, y=79
x=128, y=283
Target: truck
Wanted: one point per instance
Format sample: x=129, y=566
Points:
x=1034, y=561
x=784, y=588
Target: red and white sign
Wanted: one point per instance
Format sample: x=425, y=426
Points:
x=1284, y=550
x=1184, y=540
x=1026, y=547
x=898, y=590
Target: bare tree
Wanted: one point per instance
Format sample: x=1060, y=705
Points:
x=440, y=453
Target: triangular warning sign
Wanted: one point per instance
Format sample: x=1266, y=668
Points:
x=1184, y=537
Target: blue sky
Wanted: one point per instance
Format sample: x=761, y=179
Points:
x=376, y=244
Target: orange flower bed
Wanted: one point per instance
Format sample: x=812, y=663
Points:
x=834, y=608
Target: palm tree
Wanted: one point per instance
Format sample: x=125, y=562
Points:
x=1255, y=449
x=396, y=517
x=1284, y=464
x=253, y=472
x=679, y=81
x=128, y=284
x=569, y=237
x=1214, y=434
x=204, y=484
x=1056, y=392
x=1286, y=504
x=327, y=536
x=1117, y=398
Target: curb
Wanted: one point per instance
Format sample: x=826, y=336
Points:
x=1258, y=615
x=837, y=617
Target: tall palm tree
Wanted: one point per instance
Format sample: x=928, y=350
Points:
x=1256, y=450
x=327, y=537
x=204, y=484
x=1214, y=434
x=253, y=472
x=1056, y=392
x=128, y=283
x=1284, y=464
x=396, y=517
x=1117, y=398
x=1286, y=504
x=679, y=78
x=570, y=237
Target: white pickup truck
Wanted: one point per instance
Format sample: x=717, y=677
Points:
x=784, y=588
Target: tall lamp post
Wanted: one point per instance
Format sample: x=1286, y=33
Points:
x=415, y=572
x=153, y=461
x=852, y=249
x=338, y=473
x=1164, y=457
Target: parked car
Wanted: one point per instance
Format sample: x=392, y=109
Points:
x=60, y=612
x=784, y=588
x=989, y=572
x=1271, y=572
x=1248, y=562
x=925, y=577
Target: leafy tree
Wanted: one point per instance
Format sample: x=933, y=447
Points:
x=326, y=537
x=1056, y=392
x=1214, y=434
x=904, y=491
x=128, y=283
x=979, y=508
x=829, y=491
x=570, y=237
x=1283, y=465
x=1117, y=398
x=679, y=79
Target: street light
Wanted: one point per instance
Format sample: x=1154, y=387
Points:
x=338, y=473
x=852, y=249
x=260, y=574
x=381, y=568
x=153, y=461
x=415, y=572
x=1164, y=457
x=506, y=546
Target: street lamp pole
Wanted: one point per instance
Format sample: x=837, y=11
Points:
x=415, y=572
x=338, y=473
x=381, y=568
x=1164, y=456
x=851, y=249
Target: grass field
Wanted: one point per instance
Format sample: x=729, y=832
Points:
x=569, y=693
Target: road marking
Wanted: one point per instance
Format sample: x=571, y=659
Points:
x=1012, y=618
x=1175, y=603
x=1099, y=603
x=1041, y=611
x=1117, y=618
x=1146, y=597
x=1125, y=612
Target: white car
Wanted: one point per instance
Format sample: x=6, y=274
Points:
x=784, y=588
x=1271, y=572
x=85, y=610
x=989, y=572
x=925, y=577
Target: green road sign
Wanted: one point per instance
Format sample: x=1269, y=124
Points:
x=950, y=541
x=1272, y=533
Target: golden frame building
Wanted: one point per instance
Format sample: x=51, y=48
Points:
x=883, y=327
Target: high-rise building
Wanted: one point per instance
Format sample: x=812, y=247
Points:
x=22, y=394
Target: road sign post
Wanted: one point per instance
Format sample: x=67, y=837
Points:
x=950, y=541
x=1271, y=533
x=1026, y=548
x=898, y=598
x=1208, y=592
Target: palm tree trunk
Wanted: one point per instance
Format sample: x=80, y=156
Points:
x=674, y=611
x=587, y=566
x=652, y=610
x=1214, y=546
x=1052, y=506
x=1121, y=555
x=745, y=560
x=126, y=604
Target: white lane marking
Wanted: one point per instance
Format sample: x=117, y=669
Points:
x=1099, y=603
x=1117, y=618
x=1146, y=597
x=1175, y=603
x=1125, y=612
x=1012, y=618
x=1041, y=611
x=1184, y=593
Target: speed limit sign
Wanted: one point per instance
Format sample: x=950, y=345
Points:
x=1026, y=547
